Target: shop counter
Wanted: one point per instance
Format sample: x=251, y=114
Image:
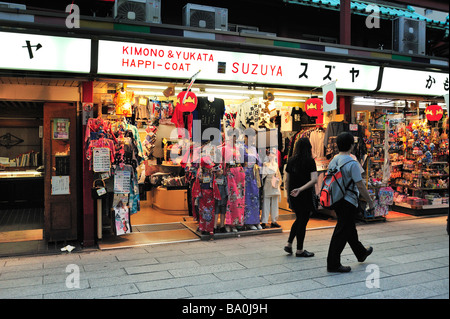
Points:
x=171, y=201
x=24, y=188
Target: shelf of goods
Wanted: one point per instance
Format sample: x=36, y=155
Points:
x=418, y=155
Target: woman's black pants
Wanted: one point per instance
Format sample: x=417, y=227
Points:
x=298, y=228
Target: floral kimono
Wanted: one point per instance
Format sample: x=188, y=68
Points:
x=252, y=198
x=235, y=175
x=206, y=190
x=236, y=196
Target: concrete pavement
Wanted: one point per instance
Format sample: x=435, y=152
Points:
x=410, y=261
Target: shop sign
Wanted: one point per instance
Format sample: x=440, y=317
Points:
x=148, y=60
x=414, y=82
x=434, y=112
x=36, y=52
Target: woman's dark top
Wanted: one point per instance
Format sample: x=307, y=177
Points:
x=299, y=175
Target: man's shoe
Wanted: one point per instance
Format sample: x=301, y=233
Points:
x=305, y=253
x=340, y=269
x=368, y=252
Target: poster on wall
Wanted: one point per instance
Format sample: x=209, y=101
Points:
x=60, y=185
x=61, y=129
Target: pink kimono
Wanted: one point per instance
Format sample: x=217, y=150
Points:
x=236, y=187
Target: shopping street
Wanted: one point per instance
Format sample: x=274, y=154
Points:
x=411, y=257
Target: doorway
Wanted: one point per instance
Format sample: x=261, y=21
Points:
x=21, y=178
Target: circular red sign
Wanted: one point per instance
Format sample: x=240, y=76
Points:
x=314, y=106
x=434, y=112
x=190, y=102
x=329, y=97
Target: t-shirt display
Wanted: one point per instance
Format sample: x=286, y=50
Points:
x=210, y=113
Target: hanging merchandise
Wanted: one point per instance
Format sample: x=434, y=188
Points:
x=98, y=190
x=229, y=117
x=248, y=115
x=121, y=215
x=124, y=101
x=210, y=112
x=286, y=119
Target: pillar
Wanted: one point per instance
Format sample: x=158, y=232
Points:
x=88, y=202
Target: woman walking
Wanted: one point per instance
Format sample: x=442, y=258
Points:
x=301, y=176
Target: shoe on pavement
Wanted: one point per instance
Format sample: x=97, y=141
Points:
x=340, y=269
x=368, y=252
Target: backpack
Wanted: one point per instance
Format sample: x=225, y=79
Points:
x=333, y=188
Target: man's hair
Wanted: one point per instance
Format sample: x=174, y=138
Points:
x=344, y=141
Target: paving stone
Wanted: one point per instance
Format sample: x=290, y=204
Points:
x=412, y=257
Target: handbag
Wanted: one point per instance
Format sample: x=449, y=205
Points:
x=98, y=191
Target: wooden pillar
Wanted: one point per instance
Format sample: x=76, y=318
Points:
x=345, y=23
x=88, y=202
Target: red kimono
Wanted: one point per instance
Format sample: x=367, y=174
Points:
x=207, y=193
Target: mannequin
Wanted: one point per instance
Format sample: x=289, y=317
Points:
x=271, y=190
x=235, y=176
x=251, y=164
x=206, y=190
x=221, y=204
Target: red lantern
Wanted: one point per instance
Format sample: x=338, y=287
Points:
x=190, y=102
x=434, y=112
x=314, y=107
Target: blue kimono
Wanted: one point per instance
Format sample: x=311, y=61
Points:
x=252, y=198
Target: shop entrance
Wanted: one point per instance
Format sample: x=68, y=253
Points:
x=21, y=178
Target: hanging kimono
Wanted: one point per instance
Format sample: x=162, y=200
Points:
x=236, y=185
x=236, y=196
x=206, y=190
x=252, y=200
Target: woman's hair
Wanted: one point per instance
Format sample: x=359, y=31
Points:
x=303, y=153
x=344, y=141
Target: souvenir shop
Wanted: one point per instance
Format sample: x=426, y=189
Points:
x=214, y=131
x=407, y=157
x=406, y=136
x=206, y=144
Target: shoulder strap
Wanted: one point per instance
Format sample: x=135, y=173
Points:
x=351, y=180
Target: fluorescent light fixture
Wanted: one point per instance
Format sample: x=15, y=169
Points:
x=288, y=100
x=151, y=87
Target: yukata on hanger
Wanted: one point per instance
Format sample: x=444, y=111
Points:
x=252, y=198
x=95, y=125
x=206, y=190
x=133, y=131
x=236, y=186
x=101, y=143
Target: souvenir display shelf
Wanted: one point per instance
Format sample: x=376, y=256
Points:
x=374, y=170
x=419, y=167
